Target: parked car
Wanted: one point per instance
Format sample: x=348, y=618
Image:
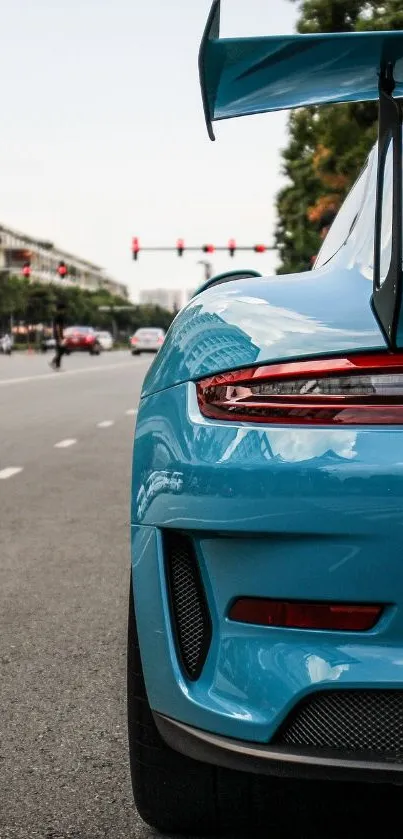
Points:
x=81, y=339
x=266, y=598
x=48, y=343
x=147, y=339
x=106, y=340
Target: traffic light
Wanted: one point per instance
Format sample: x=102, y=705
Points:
x=208, y=248
x=135, y=248
x=232, y=247
x=26, y=269
x=62, y=270
x=260, y=248
x=180, y=247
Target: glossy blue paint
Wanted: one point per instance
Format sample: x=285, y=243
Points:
x=258, y=321
x=241, y=76
x=283, y=512
x=294, y=513
x=226, y=277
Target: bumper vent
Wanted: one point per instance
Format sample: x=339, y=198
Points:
x=190, y=613
x=355, y=721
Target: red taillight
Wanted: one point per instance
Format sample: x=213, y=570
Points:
x=342, y=617
x=359, y=390
x=134, y=340
x=160, y=341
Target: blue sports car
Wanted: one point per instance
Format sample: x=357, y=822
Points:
x=266, y=601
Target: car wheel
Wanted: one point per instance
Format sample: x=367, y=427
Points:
x=135, y=352
x=181, y=796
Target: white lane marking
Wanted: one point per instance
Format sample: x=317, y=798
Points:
x=65, y=444
x=105, y=424
x=58, y=377
x=131, y=412
x=8, y=473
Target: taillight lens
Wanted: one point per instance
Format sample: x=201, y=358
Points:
x=134, y=340
x=341, y=617
x=358, y=390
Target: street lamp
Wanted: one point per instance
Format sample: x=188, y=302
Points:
x=208, y=269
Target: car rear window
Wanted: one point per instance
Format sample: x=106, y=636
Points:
x=149, y=333
x=344, y=221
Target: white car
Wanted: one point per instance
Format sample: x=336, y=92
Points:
x=105, y=339
x=147, y=339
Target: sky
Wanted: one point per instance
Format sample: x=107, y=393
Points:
x=103, y=135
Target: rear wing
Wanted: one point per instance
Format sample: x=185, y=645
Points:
x=245, y=76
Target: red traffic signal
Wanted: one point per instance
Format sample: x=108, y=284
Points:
x=135, y=248
x=26, y=270
x=180, y=246
x=232, y=247
x=260, y=249
x=62, y=269
x=208, y=248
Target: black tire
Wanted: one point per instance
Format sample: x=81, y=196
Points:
x=178, y=795
x=135, y=352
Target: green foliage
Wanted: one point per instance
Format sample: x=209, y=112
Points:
x=34, y=303
x=328, y=146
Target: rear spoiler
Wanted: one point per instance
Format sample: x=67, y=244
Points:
x=243, y=76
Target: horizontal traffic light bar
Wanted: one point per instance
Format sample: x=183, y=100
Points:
x=180, y=248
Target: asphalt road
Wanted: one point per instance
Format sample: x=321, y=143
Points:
x=65, y=461
x=64, y=564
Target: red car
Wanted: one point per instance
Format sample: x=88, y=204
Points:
x=81, y=339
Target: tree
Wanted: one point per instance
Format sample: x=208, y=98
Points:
x=319, y=163
x=39, y=303
x=35, y=303
x=12, y=298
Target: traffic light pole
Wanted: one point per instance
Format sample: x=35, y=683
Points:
x=203, y=248
x=231, y=248
x=208, y=269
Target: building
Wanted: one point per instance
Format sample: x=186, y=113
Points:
x=44, y=257
x=172, y=299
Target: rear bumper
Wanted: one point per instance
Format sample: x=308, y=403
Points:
x=298, y=514
x=83, y=347
x=268, y=760
x=147, y=348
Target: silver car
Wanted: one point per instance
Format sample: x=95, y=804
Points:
x=146, y=340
